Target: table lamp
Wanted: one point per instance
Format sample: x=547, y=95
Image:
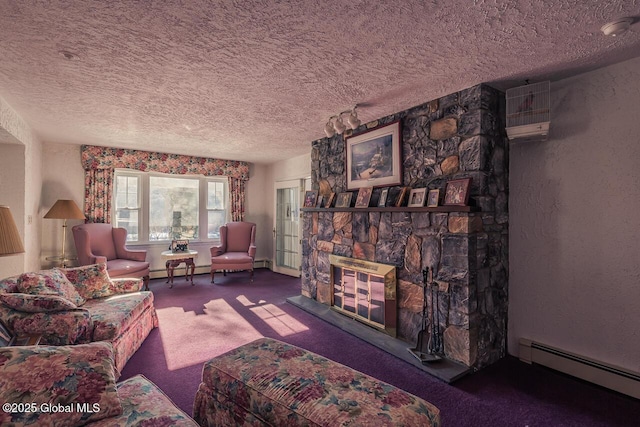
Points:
x=64, y=209
x=10, y=242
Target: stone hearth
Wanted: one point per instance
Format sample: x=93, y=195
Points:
x=457, y=136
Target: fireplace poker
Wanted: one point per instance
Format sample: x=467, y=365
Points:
x=434, y=341
x=417, y=351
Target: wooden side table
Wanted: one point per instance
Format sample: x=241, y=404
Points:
x=174, y=259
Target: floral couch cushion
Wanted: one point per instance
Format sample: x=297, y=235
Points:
x=58, y=386
x=110, y=316
x=36, y=303
x=91, y=281
x=268, y=382
x=145, y=404
x=49, y=282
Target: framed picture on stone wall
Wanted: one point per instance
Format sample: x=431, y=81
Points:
x=457, y=192
x=310, y=198
x=374, y=158
x=344, y=200
x=416, y=198
x=364, y=197
x=328, y=201
x=382, y=201
x=432, y=198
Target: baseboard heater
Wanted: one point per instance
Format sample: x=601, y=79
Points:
x=603, y=374
x=202, y=269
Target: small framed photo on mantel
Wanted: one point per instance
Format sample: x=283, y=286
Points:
x=364, y=197
x=382, y=200
x=416, y=198
x=432, y=198
x=456, y=192
x=328, y=200
x=310, y=198
x=343, y=200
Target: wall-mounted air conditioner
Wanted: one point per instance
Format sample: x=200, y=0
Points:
x=528, y=112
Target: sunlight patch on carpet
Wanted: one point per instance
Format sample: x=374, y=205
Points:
x=282, y=323
x=220, y=326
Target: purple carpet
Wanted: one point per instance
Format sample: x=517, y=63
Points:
x=202, y=321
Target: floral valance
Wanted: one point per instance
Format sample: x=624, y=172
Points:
x=94, y=157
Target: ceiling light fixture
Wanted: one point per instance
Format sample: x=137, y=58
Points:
x=336, y=125
x=328, y=129
x=353, y=120
x=617, y=27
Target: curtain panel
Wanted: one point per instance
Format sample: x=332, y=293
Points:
x=99, y=164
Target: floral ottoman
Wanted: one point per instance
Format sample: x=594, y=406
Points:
x=271, y=383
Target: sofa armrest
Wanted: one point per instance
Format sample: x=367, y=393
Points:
x=57, y=328
x=127, y=285
x=252, y=251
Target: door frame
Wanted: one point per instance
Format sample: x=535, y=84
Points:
x=298, y=183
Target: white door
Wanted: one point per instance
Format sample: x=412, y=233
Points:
x=287, y=228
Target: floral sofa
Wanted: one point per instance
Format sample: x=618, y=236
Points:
x=75, y=386
x=79, y=305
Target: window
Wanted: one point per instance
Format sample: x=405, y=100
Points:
x=156, y=207
x=127, y=204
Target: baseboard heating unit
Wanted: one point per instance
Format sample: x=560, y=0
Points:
x=609, y=376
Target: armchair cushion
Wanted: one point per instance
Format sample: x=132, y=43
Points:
x=91, y=281
x=50, y=282
x=36, y=303
x=127, y=268
x=81, y=378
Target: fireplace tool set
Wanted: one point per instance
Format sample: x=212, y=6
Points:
x=429, y=328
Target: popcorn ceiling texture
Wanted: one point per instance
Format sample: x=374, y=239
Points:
x=257, y=80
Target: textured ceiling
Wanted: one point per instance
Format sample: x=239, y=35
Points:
x=257, y=80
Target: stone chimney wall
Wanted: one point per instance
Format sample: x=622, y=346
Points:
x=457, y=136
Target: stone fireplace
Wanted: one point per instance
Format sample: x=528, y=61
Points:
x=458, y=136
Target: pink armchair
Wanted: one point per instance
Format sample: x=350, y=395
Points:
x=237, y=249
x=97, y=243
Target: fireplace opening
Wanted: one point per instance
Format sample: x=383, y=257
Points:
x=365, y=291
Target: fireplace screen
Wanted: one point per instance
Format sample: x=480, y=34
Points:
x=365, y=291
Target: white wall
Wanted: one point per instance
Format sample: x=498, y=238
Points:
x=574, y=221
x=62, y=178
x=12, y=195
x=257, y=210
x=20, y=186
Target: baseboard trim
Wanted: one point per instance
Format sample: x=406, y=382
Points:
x=202, y=269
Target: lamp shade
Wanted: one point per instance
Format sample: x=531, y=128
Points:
x=10, y=242
x=64, y=209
